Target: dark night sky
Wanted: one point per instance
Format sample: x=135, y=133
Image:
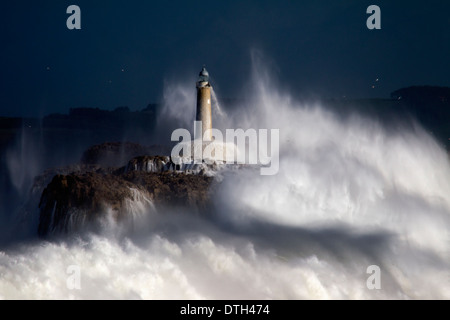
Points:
x=320, y=47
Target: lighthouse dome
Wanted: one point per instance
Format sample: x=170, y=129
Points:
x=204, y=75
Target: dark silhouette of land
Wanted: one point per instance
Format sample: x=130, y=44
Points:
x=429, y=105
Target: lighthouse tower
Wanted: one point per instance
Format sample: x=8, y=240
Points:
x=204, y=104
x=193, y=154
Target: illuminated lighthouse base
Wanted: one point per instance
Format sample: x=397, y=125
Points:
x=197, y=151
x=209, y=152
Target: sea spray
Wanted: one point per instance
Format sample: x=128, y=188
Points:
x=350, y=194
x=218, y=112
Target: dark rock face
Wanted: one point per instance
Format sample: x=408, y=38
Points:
x=149, y=164
x=170, y=188
x=79, y=197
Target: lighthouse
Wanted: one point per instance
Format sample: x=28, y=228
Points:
x=204, y=104
x=191, y=153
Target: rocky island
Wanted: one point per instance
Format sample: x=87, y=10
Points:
x=82, y=193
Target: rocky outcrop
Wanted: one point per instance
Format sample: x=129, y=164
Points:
x=164, y=164
x=150, y=164
x=74, y=199
x=69, y=199
x=173, y=188
x=105, y=184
